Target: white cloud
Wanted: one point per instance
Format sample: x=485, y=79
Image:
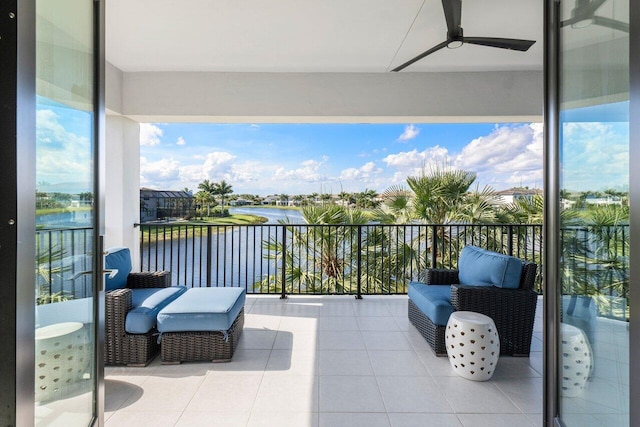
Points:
x=150, y=134
x=362, y=173
x=308, y=172
x=414, y=162
x=181, y=141
x=217, y=165
x=160, y=174
x=595, y=156
x=410, y=132
x=61, y=156
x=508, y=156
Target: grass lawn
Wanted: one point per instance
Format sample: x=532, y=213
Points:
x=195, y=227
x=237, y=219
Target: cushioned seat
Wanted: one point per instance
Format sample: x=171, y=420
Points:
x=202, y=309
x=147, y=303
x=433, y=300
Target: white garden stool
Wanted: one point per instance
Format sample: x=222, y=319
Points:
x=62, y=360
x=577, y=360
x=473, y=345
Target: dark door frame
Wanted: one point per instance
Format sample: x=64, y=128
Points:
x=552, y=212
x=17, y=211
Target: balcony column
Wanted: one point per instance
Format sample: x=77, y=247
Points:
x=122, y=184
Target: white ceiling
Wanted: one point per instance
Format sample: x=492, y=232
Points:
x=314, y=35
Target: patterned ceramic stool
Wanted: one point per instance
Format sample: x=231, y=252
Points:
x=577, y=360
x=473, y=345
x=62, y=360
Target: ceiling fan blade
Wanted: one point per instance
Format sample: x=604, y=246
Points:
x=512, y=44
x=591, y=6
x=611, y=23
x=569, y=21
x=422, y=55
x=453, y=14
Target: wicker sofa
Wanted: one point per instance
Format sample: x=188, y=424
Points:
x=511, y=304
x=132, y=302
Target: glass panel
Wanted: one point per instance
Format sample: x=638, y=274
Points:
x=65, y=371
x=594, y=183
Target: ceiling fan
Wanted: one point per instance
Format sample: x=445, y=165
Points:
x=584, y=14
x=455, y=38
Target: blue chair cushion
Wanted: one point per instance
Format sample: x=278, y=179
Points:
x=117, y=259
x=147, y=303
x=202, y=309
x=479, y=267
x=433, y=300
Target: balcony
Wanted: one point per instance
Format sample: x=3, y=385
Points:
x=327, y=361
x=318, y=359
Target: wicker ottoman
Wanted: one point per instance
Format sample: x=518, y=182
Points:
x=202, y=324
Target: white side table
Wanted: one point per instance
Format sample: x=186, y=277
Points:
x=577, y=360
x=473, y=345
x=62, y=359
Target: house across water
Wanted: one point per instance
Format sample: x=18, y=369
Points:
x=159, y=205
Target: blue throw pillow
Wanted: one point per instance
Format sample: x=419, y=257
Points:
x=117, y=259
x=479, y=267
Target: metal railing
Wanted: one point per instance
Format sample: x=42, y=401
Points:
x=336, y=259
x=62, y=253
x=322, y=259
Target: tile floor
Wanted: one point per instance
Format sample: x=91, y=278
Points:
x=327, y=361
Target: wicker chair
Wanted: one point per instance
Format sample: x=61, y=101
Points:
x=512, y=310
x=121, y=347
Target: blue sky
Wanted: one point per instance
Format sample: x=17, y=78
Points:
x=328, y=158
x=304, y=158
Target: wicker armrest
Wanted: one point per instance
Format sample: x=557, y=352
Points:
x=512, y=310
x=439, y=276
x=150, y=279
x=117, y=304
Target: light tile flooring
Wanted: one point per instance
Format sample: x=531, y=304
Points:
x=327, y=361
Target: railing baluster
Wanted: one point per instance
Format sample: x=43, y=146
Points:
x=283, y=295
x=209, y=254
x=359, y=263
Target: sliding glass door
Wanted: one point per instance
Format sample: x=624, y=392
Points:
x=593, y=286
x=66, y=363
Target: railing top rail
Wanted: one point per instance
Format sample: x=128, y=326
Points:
x=38, y=230
x=187, y=224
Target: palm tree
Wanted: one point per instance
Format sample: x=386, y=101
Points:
x=441, y=197
x=222, y=189
x=284, y=198
x=207, y=186
x=313, y=197
x=325, y=198
x=204, y=198
x=343, y=196
x=396, y=207
x=317, y=258
x=365, y=198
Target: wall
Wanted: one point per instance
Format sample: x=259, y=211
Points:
x=122, y=189
x=332, y=97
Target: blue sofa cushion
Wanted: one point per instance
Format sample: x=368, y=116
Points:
x=479, y=267
x=202, y=309
x=117, y=259
x=433, y=300
x=147, y=303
